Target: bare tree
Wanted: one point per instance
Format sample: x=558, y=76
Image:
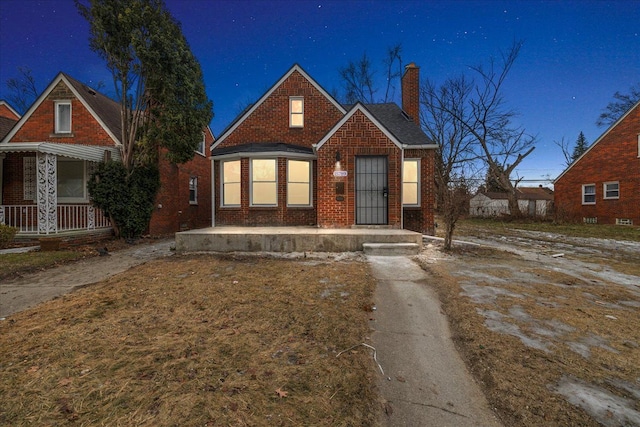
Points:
x=502, y=145
x=455, y=154
x=24, y=90
x=622, y=103
x=359, y=77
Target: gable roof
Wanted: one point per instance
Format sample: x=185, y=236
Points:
x=392, y=117
x=617, y=122
x=6, y=105
x=103, y=109
x=391, y=120
x=522, y=193
x=249, y=110
x=6, y=124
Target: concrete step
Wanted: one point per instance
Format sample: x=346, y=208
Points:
x=391, y=249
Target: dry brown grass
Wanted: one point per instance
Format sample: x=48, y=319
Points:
x=196, y=340
x=518, y=380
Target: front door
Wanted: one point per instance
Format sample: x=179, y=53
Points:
x=371, y=190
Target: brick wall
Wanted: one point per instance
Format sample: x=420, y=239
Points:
x=357, y=137
x=613, y=158
x=411, y=92
x=176, y=212
x=270, y=121
x=421, y=219
x=280, y=215
x=40, y=127
x=6, y=112
x=12, y=175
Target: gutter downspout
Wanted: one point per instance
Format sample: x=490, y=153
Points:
x=401, y=187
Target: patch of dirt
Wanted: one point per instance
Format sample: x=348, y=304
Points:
x=553, y=340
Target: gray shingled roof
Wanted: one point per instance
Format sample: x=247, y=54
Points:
x=106, y=108
x=6, y=124
x=266, y=147
x=397, y=122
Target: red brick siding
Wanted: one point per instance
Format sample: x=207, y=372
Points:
x=270, y=121
x=6, y=112
x=176, y=212
x=40, y=126
x=357, y=137
x=246, y=215
x=421, y=219
x=411, y=92
x=12, y=175
x=613, y=158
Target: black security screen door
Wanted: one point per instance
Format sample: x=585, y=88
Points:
x=371, y=190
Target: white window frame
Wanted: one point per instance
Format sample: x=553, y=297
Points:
x=85, y=196
x=193, y=189
x=639, y=145
x=309, y=183
x=202, y=145
x=584, y=187
x=606, y=190
x=251, y=182
x=58, y=116
x=292, y=99
x=417, y=204
x=223, y=183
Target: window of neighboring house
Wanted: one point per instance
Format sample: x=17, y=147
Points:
x=200, y=148
x=230, y=183
x=29, y=180
x=639, y=145
x=411, y=182
x=296, y=112
x=193, y=190
x=611, y=190
x=298, y=183
x=72, y=181
x=63, y=117
x=264, y=183
x=589, y=194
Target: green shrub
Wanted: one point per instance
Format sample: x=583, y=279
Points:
x=7, y=233
x=128, y=198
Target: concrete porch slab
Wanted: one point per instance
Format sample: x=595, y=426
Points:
x=289, y=239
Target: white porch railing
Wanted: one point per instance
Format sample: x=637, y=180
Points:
x=70, y=218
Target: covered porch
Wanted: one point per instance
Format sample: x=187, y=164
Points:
x=43, y=188
x=379, y=241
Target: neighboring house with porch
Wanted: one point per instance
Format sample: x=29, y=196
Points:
x=297, y=157
x=603, y=185
x=48, y=155
x=532, y=201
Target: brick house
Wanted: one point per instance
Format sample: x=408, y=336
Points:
x=48, y=155
x=297, y=157
x=603, y=185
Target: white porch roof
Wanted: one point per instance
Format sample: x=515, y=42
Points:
x=92, y=153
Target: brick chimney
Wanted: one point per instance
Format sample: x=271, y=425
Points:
x=411, y=92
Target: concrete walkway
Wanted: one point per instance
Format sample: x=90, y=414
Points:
x=425, y=382
x=26, y=291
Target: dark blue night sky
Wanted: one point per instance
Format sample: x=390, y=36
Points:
x=576, y=54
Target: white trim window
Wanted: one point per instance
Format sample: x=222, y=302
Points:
x=193, y=190
x=72, y=181
x=589, y=194
x=298, y=183
x=611, y=190
x=411, y=182
x=296, y=112
x=63, y=116
x=264, y=182
x=230, y=182
x=201, y=145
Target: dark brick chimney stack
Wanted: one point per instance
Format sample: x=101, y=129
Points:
x=411, y=92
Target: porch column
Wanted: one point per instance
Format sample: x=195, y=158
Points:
x=47, y=196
